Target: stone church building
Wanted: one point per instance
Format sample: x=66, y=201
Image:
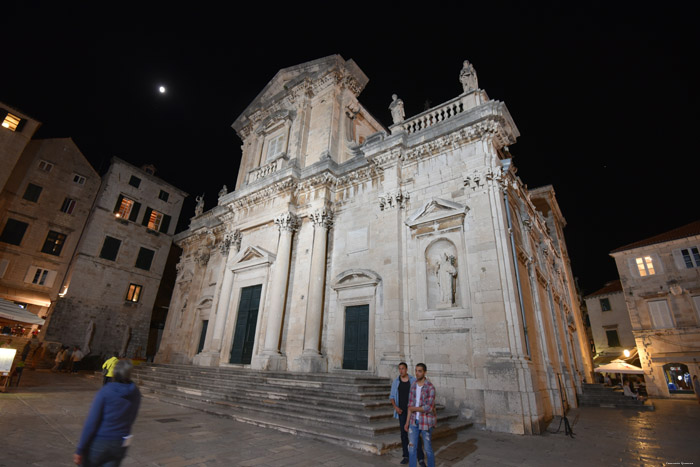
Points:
x=347, y=246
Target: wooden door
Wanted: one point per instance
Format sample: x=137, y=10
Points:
x=247, y=320
x=356, y=337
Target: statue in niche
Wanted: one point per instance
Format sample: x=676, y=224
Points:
x=199, y=208
x=396, y=108
x=468, y=77
x=447, y=273
x=442, y=279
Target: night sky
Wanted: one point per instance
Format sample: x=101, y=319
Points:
x=605, y=100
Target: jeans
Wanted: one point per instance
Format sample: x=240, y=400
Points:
x=404, y=438
x=104, y=452
x=426, y=435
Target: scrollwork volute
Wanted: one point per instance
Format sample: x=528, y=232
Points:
x=322, y=218
x=287, y=222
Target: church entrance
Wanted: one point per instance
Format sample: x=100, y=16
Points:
x=244, y=335
x=356, y=337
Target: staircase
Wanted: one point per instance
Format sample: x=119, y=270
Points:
x=350, y=409
x=597, y=395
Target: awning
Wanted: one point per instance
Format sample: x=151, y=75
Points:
x=9, y=310
x=25, y=296
x=618, y=366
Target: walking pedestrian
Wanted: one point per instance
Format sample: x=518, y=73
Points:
x=422, y=417
x=108, y=368
x=75, y=359
x=696, y=387
x=106, y=435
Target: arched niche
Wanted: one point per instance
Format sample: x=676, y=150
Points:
x=442, y=274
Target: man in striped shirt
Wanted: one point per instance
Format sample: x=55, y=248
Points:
x=422, y=417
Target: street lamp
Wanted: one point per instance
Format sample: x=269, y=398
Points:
x=627, y=353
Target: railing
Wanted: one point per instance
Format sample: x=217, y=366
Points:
x=267, y=169
x=440, y=113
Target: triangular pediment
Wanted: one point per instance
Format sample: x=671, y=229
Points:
x=289, y=77
x=251, y=256
x=434, y=210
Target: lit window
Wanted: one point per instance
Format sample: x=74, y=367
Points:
x=154, y=220
x=134, y=293
x=54, y=243
x=68, y=206
x=32, y=192
x=45, y=166
x=40, y=276
x=691, y=256
x=11, y=122
x=125, y=208
x=645, y=266
x=78, y=179
x=275, y=146
x=605, y=304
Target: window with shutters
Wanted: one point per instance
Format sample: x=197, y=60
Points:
x=135, y=181
x=78, y=179
x=133, y=294
x=45, y=166
x=645, y=266
x=145, y=258
x=275, y=146
x=32, y=192
x=54, y=243
x=691, y=257
x=4, y=264
x=40, y=276
x=11, y=122
x=68, y=206
x=110, y=248
x=125, y=206
x=660, y=314
x=154, y=220
x=13, y=232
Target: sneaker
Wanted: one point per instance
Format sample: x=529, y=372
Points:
x=404, y=460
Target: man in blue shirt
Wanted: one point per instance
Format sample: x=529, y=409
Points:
x=400, y=390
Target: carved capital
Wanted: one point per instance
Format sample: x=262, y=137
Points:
x=231, y=239
x=287, y=222
x=322, y=218
x=397, y=199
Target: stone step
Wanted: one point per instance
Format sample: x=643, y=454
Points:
x=356, y=394
x=376, y=443
x=262, y=392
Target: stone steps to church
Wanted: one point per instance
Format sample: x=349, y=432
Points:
x=376, y=442
x=349, y=394
x=274, y=394
x=333, y=377
x=597, y=395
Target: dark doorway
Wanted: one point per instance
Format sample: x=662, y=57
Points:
x=202, y=335
x=356, y=337
x=244, y=335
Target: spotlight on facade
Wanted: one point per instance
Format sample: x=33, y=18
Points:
x=627, y=353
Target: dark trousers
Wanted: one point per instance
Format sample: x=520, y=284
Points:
x=104, y=452
x=404, y=438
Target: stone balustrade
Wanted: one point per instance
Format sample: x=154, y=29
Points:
x=267, y=169
x=439, y=114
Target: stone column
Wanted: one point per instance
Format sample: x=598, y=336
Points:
x=210, y=356
x=312, y=360
x=271, y=359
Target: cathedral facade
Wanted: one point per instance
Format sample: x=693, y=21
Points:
x=347, y=246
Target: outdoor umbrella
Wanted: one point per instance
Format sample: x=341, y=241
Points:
x=9, y=310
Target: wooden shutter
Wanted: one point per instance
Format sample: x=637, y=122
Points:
x=660, y=315
x=147, y=216
x=119, y=203
x=165, y=223
x=50, y=278
x=134, y=211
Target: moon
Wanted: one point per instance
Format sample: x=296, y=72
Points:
x=161, y=89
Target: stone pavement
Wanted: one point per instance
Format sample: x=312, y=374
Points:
x=41, y=422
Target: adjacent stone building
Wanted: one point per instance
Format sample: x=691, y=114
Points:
x=16, y=130
x=43, y=209
x=108, y=294
x=610, y=322
x=660, y=279
x=349, y=247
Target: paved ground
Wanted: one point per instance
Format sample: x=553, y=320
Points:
x=41, y=422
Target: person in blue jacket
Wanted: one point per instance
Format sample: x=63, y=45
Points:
x=107, y=431
x=400, y=390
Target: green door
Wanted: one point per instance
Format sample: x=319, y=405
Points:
x=356, y=337
x=202, y=335
x=244, y=335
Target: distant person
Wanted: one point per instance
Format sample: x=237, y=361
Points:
x=25, y=351
x=421, y=417
x=607, y=381
x=400, y=390
x=75, y=359
x=629, y=393
x=19, y=368
x=58, y=361
x=106, y=435
x=696, y=387
x=108, y=368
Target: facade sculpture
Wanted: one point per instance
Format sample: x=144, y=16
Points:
x=335, y=212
